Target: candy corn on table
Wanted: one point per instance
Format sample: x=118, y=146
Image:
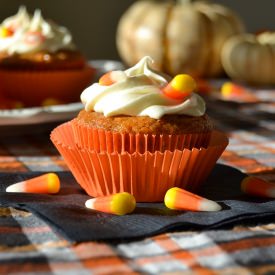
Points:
x=30, y=245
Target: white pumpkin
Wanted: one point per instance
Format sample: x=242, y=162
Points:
x=181, y=36
x=250, y=58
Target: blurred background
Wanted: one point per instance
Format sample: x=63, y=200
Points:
x=93, y=23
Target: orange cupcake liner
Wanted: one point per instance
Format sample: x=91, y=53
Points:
x=33, y=87
x=100, y=140
x=147, y=176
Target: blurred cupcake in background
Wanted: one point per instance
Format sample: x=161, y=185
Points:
x=39, y=62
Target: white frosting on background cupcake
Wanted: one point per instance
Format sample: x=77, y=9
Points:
x=30, y=34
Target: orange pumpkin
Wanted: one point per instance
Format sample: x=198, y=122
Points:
x=181, y=36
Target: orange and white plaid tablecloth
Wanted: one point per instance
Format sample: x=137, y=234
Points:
x=29, y=246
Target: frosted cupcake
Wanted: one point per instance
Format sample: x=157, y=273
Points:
x=135, y=114
x=138, y=135
x=39, y=61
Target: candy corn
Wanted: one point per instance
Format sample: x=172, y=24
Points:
x=44, y=184
x=181, y=86
x=5, y=32
x=180, y=199
x=50, y=102
x=258, y=187
x=111, y=78
x=118, y=204
x=230, y=89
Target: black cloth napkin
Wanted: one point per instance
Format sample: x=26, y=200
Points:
x=65, y=212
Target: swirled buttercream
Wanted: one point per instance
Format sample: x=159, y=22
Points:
x=139, y=93
x=35, y=34
x=17, y=21
x=11, y=28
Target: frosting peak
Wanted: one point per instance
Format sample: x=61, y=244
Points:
x=143, y=68
x=19, y=20
x=138, y=92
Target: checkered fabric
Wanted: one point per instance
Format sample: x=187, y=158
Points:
x=29, y=246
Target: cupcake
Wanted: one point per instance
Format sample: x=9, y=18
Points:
x=39, y=61
x=140, y=132
x=136, y=111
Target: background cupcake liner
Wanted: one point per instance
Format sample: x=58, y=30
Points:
x=100, y=140
x=147, y=176
x=32, y=87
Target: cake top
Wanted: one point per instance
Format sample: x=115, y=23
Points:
x=23, y=33
x=142, y=91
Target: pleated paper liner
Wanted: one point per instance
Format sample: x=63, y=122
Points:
x=100, y=140
x=147, y=176
x=33, y=87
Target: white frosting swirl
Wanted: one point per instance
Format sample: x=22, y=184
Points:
x=35, y=34
x=15, y=24
x=139, y=94
x=17, y=21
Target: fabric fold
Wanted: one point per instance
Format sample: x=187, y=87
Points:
x=66, y=214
